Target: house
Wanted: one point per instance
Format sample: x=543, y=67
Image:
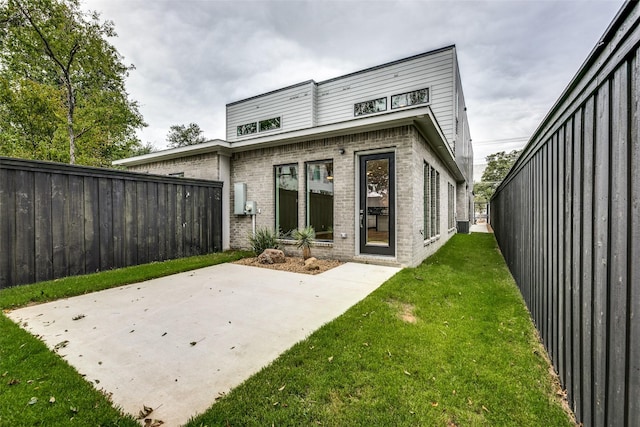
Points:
x=378, y=161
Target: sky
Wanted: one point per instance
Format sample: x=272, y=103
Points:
x=192, y=57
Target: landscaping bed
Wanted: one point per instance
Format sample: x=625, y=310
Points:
x=292, y=264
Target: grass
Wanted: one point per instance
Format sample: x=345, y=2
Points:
x=449, y=343
x=39, y=388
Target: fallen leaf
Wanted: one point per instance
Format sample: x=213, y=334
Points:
x=484, y=408
x=146, y=410
x=73, y=409
x=282, y=388
x=330, y=358
x=407, y=373
x=152, y=423
x=192, y=343
x=13, y=381
x=60, y=345
x=434, y=404
x=32, y=401
x=276, y=404
x=52, y=399
x=78, y=317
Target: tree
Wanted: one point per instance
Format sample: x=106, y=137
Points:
x=498, y=165
x=62, y=87
x=181, y=135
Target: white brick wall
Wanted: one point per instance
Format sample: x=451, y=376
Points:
x=200, y=166
x=256, y=169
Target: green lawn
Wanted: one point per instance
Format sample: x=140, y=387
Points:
x=39, y=388
x=447, y=343
x=470, y=359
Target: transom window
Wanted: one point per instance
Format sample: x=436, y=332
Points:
x=259, y=126
x=269, y=124
x=247, y=129
x=420, y=96
x=370, y=107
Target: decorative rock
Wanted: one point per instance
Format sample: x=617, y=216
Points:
x=271, y=256
x=311, y=264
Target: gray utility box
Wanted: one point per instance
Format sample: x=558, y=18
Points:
x=239, y=198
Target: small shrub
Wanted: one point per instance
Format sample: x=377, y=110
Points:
x=264, y=238
x=304, y=239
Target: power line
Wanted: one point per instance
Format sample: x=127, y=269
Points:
x=502, y=141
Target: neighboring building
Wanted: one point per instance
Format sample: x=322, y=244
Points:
x=379, y=161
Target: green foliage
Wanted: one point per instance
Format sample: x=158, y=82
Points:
x=498, y=165
x=447, y=343
x=62, y=85
x=264, y=238
x=181, y=135
x=304, y=239
x=17, y=296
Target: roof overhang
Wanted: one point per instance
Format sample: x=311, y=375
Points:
x=213, y=146
x=421, y=118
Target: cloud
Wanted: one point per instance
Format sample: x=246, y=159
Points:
x=194, y=57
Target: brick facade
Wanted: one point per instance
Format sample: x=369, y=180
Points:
x=256, y=168
x=201, y=166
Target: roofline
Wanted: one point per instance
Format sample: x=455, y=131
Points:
x=272, y=92
x=421, y=118
x=377, y=67
x=212, y=146
x=388, y=64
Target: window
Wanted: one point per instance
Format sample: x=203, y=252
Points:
x=247, y=129
x=451, y=219
x=370, y=107
x=286, y=186
x=177, y=174
x=431, y=202
x=420, y=96
x=320, y=198
x=269, y=124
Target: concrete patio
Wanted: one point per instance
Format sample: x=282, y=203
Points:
x=175, y=344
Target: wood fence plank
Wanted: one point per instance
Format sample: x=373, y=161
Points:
x=600, y=253
x=576, y=266
x=142, y=223
x=59, y=195
x=130, y=223
x=74, y=229
x=91, y=225
x=7, y=227
x=118, y=219
x=25, y=256
x=43, y=225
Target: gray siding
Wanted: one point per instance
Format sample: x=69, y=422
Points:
x=337, y=96
x=567, y=218
x=294, y=105
x=312, y=104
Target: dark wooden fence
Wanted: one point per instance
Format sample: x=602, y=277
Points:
x=58, y=220
x=567, y=219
